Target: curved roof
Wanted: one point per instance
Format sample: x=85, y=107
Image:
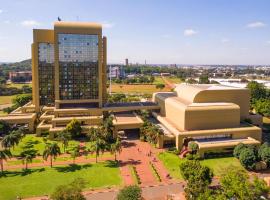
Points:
x=195, y=92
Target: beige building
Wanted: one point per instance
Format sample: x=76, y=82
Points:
x=211, y=115
x=69, y=81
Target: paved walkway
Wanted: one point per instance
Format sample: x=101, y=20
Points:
x=158, y=192
x=136, y=153
x=168, y=83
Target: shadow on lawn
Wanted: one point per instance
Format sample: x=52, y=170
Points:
x=71, y=168
x=24, y=172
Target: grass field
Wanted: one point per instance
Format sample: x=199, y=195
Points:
x=172, y=162
x=39, y=144
x=124, y=88
x=2, y=113
x=173, y=80
x=158, y=80
x=6, y=99
x=43, y=181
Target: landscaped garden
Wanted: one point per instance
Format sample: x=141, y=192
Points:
x=172, y=163
x=43, y=181
x=18, y=148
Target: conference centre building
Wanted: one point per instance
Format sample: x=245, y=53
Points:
x=69, y=67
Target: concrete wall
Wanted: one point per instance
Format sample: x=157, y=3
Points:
x=212, y=117
x=240, y=97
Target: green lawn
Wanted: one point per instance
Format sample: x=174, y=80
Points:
x=43, y=181
x=2, y=113
x=39, y=144
x=172, y=162
x=158, y=80
x=6, y=99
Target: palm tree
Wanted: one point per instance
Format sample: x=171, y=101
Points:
x=27, y=156
x=75, y=152
x=28, y=153
x=98, y=144
x=64, y=137
x=4, y=155
x=11, y=139
x=116, y=147
x=51, y=150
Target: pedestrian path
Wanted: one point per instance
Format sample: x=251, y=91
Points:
x=140, y=155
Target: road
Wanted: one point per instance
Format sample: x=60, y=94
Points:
x=158, y=192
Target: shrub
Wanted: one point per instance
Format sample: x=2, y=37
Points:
x=193, y=147
x=248, y=158
x=71, y=191
x=132, y=192
x=4, y=128
x=74, y=128
x=264, y=153
x=238, y=149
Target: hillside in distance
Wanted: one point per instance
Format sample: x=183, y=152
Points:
x=24, y=65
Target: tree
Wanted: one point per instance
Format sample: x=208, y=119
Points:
x=160, y=86
x=75, y=152
x=72, y=191
x=12, y=139
x=132, y=192
x=193, y=147
x=262, y=106
x=51, y=150
x=150, y=132
x=191, y=81
x=74, y=128
x=4, y=127
x=257, y=91
x=198, y=178
x=64, y=137
x=28, y=153
x=4, y=155
x=264, y=153
x=236, y=184
x=116, y=147
x=98, y=144
x=248, y=158
x=203, y=79
x=238, y=149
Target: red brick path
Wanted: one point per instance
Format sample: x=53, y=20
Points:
x=136, y=153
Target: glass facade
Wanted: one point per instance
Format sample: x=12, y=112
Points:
x=46, y=73
x=78, y=66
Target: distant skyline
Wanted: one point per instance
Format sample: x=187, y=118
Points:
x=158, y=31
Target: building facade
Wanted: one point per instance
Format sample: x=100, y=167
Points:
x=20, y=77
x=69, y=65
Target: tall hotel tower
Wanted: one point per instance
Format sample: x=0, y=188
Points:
x=69, y=66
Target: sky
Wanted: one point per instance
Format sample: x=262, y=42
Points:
x=158, y=31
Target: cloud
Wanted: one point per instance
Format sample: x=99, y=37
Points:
x=30, y=23
x=7, y=22
x=190, y=32
x=1, y=11
x=225, y=40
x=107, y=25
x=268, y=42
x=257, y=24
